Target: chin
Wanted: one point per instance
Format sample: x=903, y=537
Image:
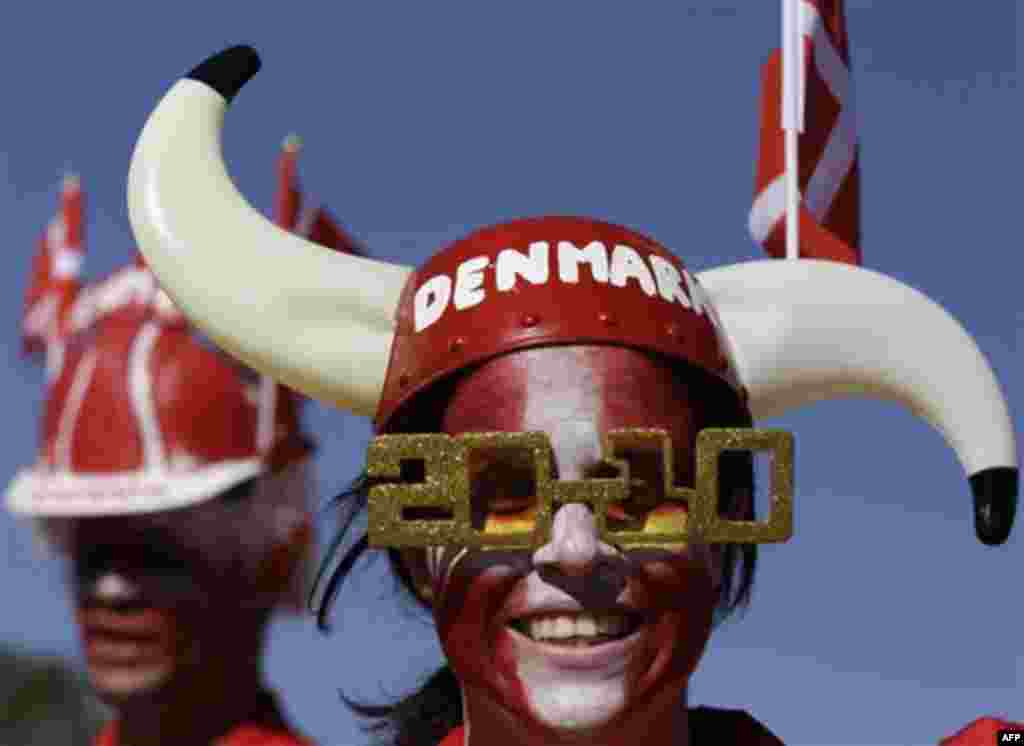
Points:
x=575, y=707
x=117, y=686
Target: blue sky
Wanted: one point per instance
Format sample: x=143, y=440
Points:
x=883, y=621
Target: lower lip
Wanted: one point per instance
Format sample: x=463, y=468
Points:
x=113, y=650
x=581, y=657
x=124, y=639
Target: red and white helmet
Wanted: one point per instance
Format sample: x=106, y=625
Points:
x=143, y=417
x=374, y=337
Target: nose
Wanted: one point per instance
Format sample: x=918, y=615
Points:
x=110, y=587
x=577, y=562
x=574, y=546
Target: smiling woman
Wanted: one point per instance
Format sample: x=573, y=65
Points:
x=575, y=633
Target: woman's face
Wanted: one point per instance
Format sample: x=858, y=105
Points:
x=576, y=633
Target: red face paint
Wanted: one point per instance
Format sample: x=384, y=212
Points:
x=484, y=601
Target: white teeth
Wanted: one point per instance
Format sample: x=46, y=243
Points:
x=586, y=626
x=565, y=626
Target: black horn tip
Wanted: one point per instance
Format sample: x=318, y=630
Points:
x=995, y=503
x=226, y=72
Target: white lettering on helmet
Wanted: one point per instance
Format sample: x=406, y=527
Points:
x=570, y=257
x=433, y=297
x=702, y=304
x=431, y=300
x=698, y=297
x=533, y=268
x=469, y=277
x=668, y=278
x=627, y=265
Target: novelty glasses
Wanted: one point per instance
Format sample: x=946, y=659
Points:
x=496, y=491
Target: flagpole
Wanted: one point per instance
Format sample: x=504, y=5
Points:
x=792, y=117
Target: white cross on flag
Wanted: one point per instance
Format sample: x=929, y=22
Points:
x=56, y=268
x=315, y=224
x=829, y=221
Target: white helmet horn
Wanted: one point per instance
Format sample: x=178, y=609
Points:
x=805, y=330
x=318, y=320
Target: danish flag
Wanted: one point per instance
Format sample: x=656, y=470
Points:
x=56, y=271
x=315, y=224
x=829, y=220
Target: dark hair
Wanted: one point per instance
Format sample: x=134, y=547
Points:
x=424, y=717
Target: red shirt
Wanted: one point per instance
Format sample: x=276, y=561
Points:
x=982, y=732
x=243, y=735
x=265, y=726
x=707, y=725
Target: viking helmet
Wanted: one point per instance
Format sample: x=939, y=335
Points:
x=144, y=417
x=371, y=336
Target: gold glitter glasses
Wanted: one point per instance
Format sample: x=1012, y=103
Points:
x=436, y=490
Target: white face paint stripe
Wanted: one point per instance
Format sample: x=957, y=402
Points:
x=434, y=560
x=140, y=387
x=72, y=406
x=451, y=565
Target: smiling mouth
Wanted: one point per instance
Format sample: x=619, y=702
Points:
x=577, y=629
x=124, y=634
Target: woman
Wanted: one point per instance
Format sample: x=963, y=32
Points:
x=576, y=632
x=574, y=330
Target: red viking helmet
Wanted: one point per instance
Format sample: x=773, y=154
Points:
x=144, y=417
x=544, y=281
x=369, y=336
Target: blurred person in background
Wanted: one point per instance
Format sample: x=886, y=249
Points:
x=177, y=484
